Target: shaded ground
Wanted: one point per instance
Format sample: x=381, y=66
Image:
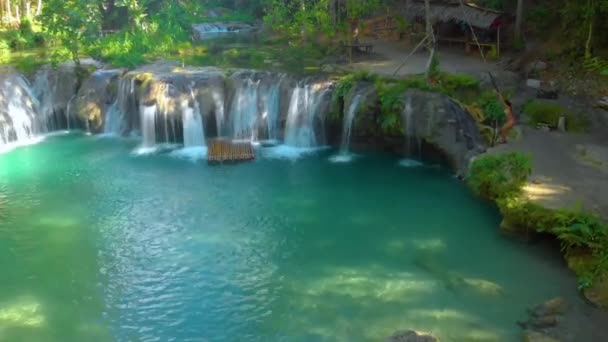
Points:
x=568, y=169
x=388, y=56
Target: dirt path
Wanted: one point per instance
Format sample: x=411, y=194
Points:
x=568, y=169
x=388, y=56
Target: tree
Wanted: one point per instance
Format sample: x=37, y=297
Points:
x=519, y=17
x=71, y=24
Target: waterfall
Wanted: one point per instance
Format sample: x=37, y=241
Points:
x=194, y=134
x=348, y=124
x=304, y=107
x=210, y=30
x=271, y=108
x=19, y=119
x=54, y=88
x=244, y=110
x=115, y=120
x=218, y=100
x=410, y=135
x=148, y=125
x=409, y=125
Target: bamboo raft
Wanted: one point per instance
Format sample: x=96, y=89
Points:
x=222, y=150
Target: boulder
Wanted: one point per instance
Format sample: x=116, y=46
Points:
x=555, y=306
x=603, y=103
x=411, y=336
x=534, y=84
x=598, y=292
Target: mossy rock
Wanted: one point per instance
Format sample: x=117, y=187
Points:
x=598, y=292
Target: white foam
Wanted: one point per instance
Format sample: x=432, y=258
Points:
x=343, y=158
x=410, y=163
x=191, y=153
x=11, y=146
x=290, y=152
x=144, y=150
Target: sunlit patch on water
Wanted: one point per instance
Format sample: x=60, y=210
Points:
x=22, y=312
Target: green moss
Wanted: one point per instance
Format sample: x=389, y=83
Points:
x=549, y=113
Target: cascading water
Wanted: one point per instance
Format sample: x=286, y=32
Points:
x=218, y=100
x=410, y=135
x=115, y=120
x=409, y=125
x=271, y=108
x=148, y=125
x=244, y=110
x=211, y=30
x=19, y=117
x=347, y=125
x=193, y=123
x=304, y=107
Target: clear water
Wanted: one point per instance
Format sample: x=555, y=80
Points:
x=99, y=245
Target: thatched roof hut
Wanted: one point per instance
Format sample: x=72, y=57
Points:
x=454, y=11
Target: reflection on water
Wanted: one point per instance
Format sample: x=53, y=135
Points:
x=99, y=245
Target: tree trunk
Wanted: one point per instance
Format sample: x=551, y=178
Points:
x=591, y=21
x=431, y=39
x=9, y=12
x=519, y=19
x=39, y=8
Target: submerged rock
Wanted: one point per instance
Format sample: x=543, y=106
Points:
x=555, y=306
x=535, y=336
x=411, y=336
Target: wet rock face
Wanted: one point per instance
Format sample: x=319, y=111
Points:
x=95, y=96
x=411, y=336
x=598, y=293
x=440, y=122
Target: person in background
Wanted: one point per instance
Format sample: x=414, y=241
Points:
x=510, y=122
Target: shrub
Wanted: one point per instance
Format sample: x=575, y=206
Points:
x=497, y=176
x=452, y=83
x=5, y=51
x=549, y=113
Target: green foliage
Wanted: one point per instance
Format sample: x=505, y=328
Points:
x=5, y=51
x=23, y=37
x=497, y=176
x=390, y=93
x=577, y=231
x=71, y=24
x=596, y=65
x=124, y=49
x=453, y=83
x=306, y=18
x=501, y=178
x=549, y=113
x=343, y=87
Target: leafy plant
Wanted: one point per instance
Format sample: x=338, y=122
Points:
x=497, y=176
x=5, y=51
